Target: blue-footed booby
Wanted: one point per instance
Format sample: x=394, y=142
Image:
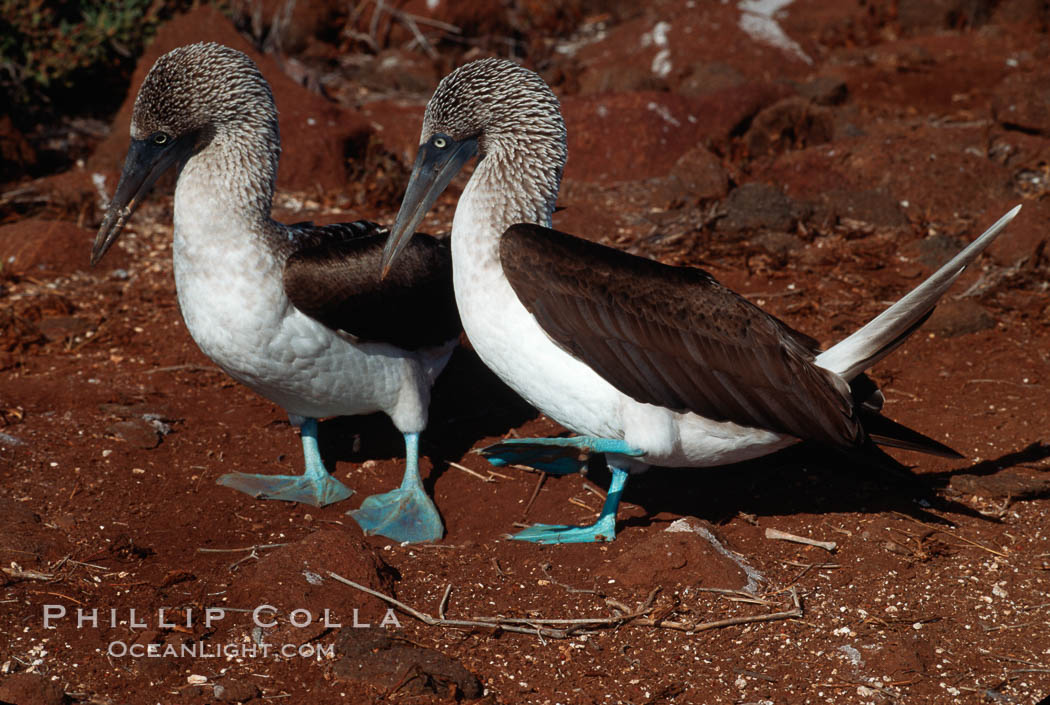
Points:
x=652, y=364
x=297, y=313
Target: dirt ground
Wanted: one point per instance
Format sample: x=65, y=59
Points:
x=821, y=160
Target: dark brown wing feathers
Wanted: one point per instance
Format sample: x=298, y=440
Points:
x=332, y=275
x=675, y=337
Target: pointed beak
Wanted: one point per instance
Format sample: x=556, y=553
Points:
x=144, y=164
x=433, y=171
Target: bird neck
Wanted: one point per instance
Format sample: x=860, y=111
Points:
x=233, y=175
x=509, y=186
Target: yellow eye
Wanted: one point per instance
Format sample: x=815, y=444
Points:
x=160, y=138
x=440, y=142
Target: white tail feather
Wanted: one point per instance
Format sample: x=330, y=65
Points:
x=881, y=335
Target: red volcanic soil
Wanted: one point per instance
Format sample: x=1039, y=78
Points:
x=823, y=177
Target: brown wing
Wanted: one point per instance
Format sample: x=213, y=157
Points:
x=675, y=337
x=332, y=275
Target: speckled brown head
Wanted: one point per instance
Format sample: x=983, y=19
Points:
x=191, y=97
x=494, y=108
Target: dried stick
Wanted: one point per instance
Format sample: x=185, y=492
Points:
x=785, y=536
x=238, y=550
x=574, y=627
x=18, y=573
x=464, y=468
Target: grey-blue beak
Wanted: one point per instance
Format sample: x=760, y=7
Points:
x=437, y=162
x=145, y=163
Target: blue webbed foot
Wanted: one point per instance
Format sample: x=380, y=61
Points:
x=558, y=456
x=401, y=514
x=406, y=514
x=314, y=487
x=315, y=491
x=602, y=530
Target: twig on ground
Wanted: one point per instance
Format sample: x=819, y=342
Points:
x=545, y=567
x=583, y=505
x=785, y=536
x=817, y=566
x=253, y=552
x=736, y=595
x=238, y=550
x=444, y=601
x=186, y=368
x=595, y=491
x=474, y=473
x=566, y=628
x=1001, y=657
x=540, y=479
x=19, y=573
x=954, y=536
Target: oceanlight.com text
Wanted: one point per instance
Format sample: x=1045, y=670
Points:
x=196, y=650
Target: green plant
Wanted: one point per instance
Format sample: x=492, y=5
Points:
x=46, y=45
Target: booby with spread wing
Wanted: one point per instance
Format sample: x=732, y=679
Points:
x=297, y=313
x=652, y=364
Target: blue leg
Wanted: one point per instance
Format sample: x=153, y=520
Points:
x=602, y=530
x=314, y=487
x=405, y=514
x=558, y=456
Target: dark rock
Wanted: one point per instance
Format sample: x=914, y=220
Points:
x=757, y=206
x=916, y=166
x=373, y=658
x=31, y=689
x=825, y=90
x=1022, y=100
x=699, y=176
x=792, y=123
x=954, y=318
x=865, y=209
x=778, y=244
x=136, y=432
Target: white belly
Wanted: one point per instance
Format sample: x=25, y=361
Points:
x=508, y=340
x=232, y=299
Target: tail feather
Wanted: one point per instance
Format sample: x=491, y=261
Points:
x=886, y=331
x=887, y=432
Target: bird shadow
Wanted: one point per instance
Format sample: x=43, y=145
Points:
x=468, y=402
x=1032, y=453
x=804, y=479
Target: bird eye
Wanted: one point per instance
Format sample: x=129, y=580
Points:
x=440, y=142
x=160, y=138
